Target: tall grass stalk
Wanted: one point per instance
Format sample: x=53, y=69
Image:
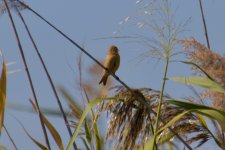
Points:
x=10, y=137
x=161, y=99
x=167, y=33
x=204, y=24
x=48, y=76
x=28, y=74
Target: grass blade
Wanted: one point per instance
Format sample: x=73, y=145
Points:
x=97, y=136
x=41, y=146
x=85, y=143
x=76, y=109
x=87, y=132
x=98, y=141
x=53, y=132
x=2, y=95
x=175, y=119
x=201, y=119
x=191, y=107
x=203, y=110
x=214, y=114
x=87, y=109
x=201, y=82
x=51, y=128
x=197, y=66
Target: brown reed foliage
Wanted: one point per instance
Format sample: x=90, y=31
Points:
x=212, y=63
x=131, y=123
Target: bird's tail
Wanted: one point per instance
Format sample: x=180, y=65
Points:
x=104, y=79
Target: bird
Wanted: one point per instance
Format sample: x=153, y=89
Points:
x=112, y=63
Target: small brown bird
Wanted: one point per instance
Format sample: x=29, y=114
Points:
x=112, y=63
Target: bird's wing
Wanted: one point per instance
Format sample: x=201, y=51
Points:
x=111, y=63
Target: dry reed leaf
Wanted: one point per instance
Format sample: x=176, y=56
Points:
x=41, y=146
x=50, y=127
x=2, y=95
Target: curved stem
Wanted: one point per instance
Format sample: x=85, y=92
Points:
x=28, y=75
x=12, y=141
x=49, y=78
x=160, y=100
x=204, y=24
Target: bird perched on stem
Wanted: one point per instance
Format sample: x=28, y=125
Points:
x=112, y=63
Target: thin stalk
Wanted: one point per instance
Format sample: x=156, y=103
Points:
x=102, y=66
x=160, y=100
x=48, y=76
x=28, y=74
x=95, y=127
x=151, y=127
x=12, y=141
x=204, y=24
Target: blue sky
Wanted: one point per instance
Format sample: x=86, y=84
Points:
x=85, y=22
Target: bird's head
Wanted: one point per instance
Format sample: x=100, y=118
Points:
x=113, y=50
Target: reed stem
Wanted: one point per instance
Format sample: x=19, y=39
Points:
x=49, y=77
x=28, y=74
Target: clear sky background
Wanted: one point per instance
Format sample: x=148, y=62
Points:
x=86, y=21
